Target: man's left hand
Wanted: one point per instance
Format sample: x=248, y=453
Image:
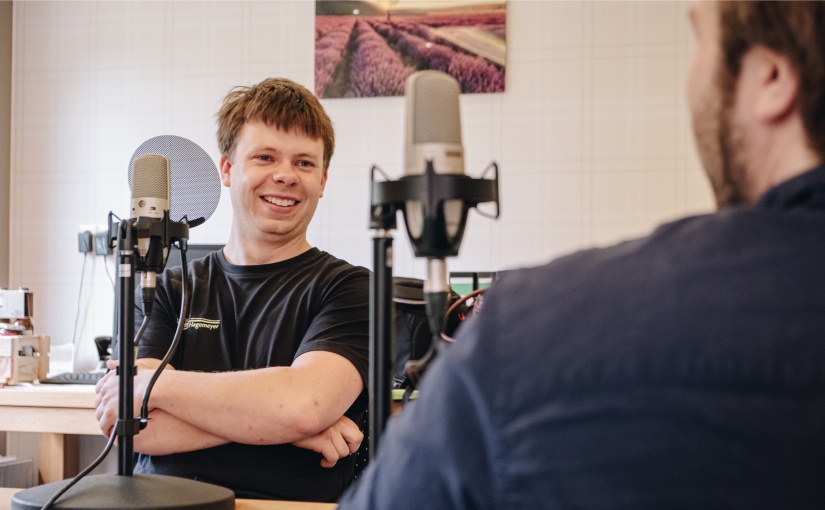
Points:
x=337, y=441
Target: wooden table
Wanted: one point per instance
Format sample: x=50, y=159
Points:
x=240, y=504
x=58, y=413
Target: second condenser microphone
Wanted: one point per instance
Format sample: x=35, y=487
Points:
x=150, y=186
x=151, y=196
x=151, y=191
x=433, y=134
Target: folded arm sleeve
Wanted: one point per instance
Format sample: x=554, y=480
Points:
x=342, y=324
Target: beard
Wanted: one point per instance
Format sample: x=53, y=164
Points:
x=721, y=145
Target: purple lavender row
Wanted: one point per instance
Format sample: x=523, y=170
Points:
x=418, y=29
x=473, y=73
x=324, y=24
x=425, y=31
x=376, y=69
x=330, y=48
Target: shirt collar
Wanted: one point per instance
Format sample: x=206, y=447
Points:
x=805, y=190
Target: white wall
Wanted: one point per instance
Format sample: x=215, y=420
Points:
x=591, y=136
x=6, y=10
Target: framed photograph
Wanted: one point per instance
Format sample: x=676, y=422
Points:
x=368, y=48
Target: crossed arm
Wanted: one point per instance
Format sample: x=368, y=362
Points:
x=302, y=404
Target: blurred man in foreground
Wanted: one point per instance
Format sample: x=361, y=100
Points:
x=685, y=369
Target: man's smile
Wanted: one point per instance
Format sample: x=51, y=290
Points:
x=283, y=202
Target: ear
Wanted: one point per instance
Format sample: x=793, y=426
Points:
x=224, y=169
x=323, y=182
x=777, y=85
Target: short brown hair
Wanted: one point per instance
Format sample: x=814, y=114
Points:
x=276, y=102
x=795, y=29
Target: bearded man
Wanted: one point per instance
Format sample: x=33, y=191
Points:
x=682, y=370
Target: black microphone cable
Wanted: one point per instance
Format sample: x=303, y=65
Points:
x=106, y=449
x=184, y=313
x=144, y=415
x=85, y=472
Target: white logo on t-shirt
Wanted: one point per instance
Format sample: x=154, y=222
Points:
x=197, y=323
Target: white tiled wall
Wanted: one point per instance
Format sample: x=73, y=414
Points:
x=591, y=136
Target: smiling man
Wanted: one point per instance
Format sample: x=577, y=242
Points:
x=266, y=400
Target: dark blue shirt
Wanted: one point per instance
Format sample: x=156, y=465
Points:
x=682, y=370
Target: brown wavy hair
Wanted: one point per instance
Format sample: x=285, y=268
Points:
x=276, y=102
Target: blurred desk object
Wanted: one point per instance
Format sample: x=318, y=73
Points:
x=398, y=400
x=465, y=282
x=23, y=358
x=240, y=504
x=58, y=413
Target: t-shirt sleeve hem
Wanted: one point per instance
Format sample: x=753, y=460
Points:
x=358, y=361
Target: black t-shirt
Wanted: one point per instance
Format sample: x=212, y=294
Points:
x=249, y=317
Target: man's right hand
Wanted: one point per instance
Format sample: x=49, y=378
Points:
x=337, y=441
x=108, y=392
x=106, y=402
x=165, y=433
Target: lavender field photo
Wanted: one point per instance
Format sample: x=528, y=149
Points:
x=368, y=48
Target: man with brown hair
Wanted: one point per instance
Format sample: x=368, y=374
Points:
x=269, y=382
x=682, y=370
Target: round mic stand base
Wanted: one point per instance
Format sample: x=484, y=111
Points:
x=138, y=492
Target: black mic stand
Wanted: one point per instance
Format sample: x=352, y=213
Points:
x=127, y=491
x=382, y=322
x=432, y=190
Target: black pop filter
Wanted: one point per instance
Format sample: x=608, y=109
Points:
x=195, y=183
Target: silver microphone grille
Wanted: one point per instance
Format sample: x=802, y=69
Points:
x=151, y=177
x=436, y=117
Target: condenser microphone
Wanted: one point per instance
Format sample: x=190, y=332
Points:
x=150, y=191
x=150, y=201
x=436, y=217
x=434, y=195
x=433, y=136
x=150, y=186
